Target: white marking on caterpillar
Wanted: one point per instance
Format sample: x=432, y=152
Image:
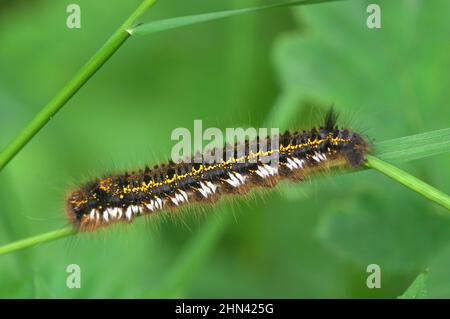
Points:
x=179, y=198
x=92, y=214
x=233, y=181
x=291, y=164
x=298, y=162
x=150, y=206
x=205, y=194
x=272, y=171
x=233, y=177
x=241, y=178
x=113, y=212
x=206, y=188
x=135, y=209
x=159, y=202
x=128, y=213
x=212, y=186
x=106, y=215
x=184, y=194
x=316, y=157
x=264, y=172
x=261, y=172
x=174, y=200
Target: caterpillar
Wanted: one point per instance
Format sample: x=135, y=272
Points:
x=123, y=197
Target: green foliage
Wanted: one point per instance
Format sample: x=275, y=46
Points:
x=389, y=81
x=418, y=289
x=316, y=247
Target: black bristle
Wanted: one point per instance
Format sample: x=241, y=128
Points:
x=331, y=119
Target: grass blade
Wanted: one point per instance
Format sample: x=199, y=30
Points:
x=409, y=181
x=413, y=147
x=35, y=240
x=72, y=87
x=418, y=289
x=173, y=23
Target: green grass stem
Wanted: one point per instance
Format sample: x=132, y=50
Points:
x=72, y=87
x=409, y=181
x=36, y=240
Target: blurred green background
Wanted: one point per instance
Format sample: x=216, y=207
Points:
x=311, y=240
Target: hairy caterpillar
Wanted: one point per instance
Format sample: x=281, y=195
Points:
x=122, y=197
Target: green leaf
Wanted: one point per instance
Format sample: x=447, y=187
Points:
x=418, y=289
x=173, y=23
x=414, y=147
x=370, y=74
x=382, y=226
x=385, y=82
